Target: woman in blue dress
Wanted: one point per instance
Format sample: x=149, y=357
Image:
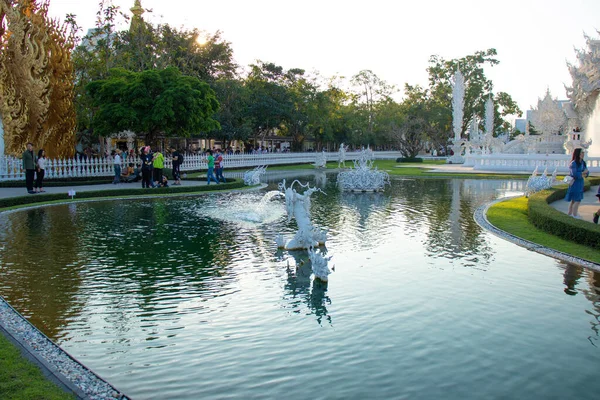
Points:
x=578, y=170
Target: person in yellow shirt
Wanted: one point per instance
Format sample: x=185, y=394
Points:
x=158, y=162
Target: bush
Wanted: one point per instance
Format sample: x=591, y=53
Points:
x=550, y=220
x=42, y=198
x=409, y=160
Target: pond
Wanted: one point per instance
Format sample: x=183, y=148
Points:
x=189, y=297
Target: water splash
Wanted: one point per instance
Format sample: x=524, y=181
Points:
x=248, y=210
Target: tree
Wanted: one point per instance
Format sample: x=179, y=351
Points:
x=369, y=91
x=478, y=86
x=152, y=103
x=411, y=136
x=233, y=97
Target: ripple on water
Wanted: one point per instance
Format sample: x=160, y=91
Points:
x=189, y=298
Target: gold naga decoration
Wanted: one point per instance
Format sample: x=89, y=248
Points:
x=36, y=80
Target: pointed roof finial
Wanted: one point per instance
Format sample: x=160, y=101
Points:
x=137, y=9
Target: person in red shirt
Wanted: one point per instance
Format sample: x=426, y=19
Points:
x=219, y=166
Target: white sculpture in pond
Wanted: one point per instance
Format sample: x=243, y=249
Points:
x=342, y=156
x=536, y=183
x=298, y=207
x=321, y=160
x=252, y=177
x=319, y=264
x=363, y=178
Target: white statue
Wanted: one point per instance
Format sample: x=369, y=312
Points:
x=458, y=100
x=548, y=118
x=321, y=160
x=319, y=264
x=536, y=183
x=342, y=156
x=363, y=177
x=252, y=177
x=298, y=207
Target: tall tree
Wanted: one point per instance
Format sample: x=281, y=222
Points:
x=152, y=103
x=478, y=86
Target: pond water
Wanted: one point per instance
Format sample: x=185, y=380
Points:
x=189, y=298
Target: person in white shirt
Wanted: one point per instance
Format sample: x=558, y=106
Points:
x=40, y=171
x=117, y=164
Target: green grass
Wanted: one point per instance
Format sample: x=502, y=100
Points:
x=511, y=216
x=22, y=380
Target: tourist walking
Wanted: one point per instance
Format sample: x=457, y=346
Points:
x=210, y=161
x=597, y=213
x=29, y=167
x=146, y=168
x=219, y=166
x=577, y=170
x=40, y=171
x=117, y=166
x=158, y=163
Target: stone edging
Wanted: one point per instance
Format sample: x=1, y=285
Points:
x=480, y=217
x=57, y=364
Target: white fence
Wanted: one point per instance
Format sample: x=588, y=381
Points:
x=11, y=168
x=527, y=162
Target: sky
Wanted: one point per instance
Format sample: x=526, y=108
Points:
x=394, y=39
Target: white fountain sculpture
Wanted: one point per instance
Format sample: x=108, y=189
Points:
x=458, y=100
x=321, y=160
x=319, y=264
x=298, y=207
x=252, y=177
x=536, y=183
x=342, y=156
x=363, y=177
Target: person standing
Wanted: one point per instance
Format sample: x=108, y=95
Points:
x=219, y=166
x=210, y=161
x=177, y=161
x=577, y=170
x=40, y=171
x=146, y=168
x=29, y=167
x=158, y=162
x=117, y=166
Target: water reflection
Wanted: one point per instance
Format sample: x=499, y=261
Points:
x=301, y=290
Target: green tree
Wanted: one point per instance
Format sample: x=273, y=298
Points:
x=477, y=87
x=152, y=103
x=233, y=97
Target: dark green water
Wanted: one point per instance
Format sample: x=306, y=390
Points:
x=189, y=298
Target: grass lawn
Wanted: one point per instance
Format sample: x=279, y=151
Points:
x=511, y=216
x=21, y=379
x=390, y=166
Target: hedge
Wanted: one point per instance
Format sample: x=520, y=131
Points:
x=550, y=220
x=47, y=197
x=409, y=160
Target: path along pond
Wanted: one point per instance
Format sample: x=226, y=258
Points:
x=189, y=298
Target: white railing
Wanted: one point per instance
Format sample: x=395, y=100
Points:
x=11, y=168
x=527, y=162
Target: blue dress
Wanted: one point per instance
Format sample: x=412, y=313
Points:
x=575, y=191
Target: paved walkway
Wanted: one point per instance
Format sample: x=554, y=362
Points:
x=589, y=204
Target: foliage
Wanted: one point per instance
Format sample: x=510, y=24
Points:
x=153, y=103
x=478, y=87
x=548, y=219
x=511, y=216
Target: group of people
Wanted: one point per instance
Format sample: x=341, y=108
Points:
x=214, y=162
x=578, y=171
x=35, y=168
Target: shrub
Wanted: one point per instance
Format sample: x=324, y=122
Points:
x=409, y=160
x=42, y=198
x=550, y=220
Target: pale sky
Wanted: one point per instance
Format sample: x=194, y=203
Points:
x=394, y=39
